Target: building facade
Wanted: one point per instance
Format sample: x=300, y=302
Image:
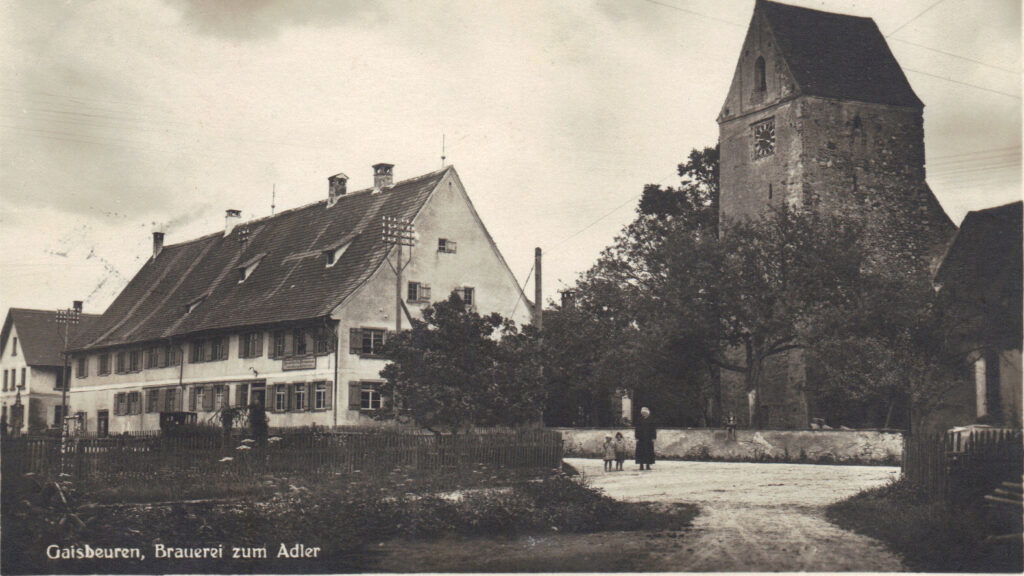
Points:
x=31, y=360
x=820, y=115
x=289, y=311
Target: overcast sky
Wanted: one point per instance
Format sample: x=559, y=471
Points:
x=120, y=116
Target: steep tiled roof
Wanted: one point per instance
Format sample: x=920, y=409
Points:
x=291, y=281
x=39, y=336
x=838, y=56
x=986, y=251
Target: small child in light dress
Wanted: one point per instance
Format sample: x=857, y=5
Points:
x=621, y=450
x=609, y=453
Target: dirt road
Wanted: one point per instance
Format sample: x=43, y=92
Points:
x=763, y=517
x=754, y=517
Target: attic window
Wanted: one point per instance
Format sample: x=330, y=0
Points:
x=446, y=246
x=193, y=304
x=334, y=254
x=246, y=269
x=760, y=82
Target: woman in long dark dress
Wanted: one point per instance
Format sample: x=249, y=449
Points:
x=645, y=434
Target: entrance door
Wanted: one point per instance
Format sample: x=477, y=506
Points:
x=259, y=395
x=102, y=423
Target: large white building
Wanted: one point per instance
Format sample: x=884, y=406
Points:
x=290, y=311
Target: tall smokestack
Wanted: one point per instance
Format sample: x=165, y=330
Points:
x=383, y=175
x=158, y=243
x=538, y=296
x=231, y=218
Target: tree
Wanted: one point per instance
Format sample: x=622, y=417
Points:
x=456, y=369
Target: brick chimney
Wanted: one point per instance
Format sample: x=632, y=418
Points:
x=231, y=218
x=383, y=175
x=158, y=243
x=336, y=188
x=77, y=305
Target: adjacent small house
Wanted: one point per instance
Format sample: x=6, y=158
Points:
x=31, y=360
x=980, y=278
x=289, y=311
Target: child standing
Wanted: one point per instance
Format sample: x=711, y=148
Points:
x=609, y=453
x=620, y=450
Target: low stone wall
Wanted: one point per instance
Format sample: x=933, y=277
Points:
x=812, y=446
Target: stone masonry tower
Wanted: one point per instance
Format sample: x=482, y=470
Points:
x=819, y=114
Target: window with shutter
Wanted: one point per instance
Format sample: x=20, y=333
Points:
x=355, y=341
x=280, y=398
x=301, y=402
x=242, y=395
x=321, y=395
x=280, y=345
x=152, y=401
x=193, y=399
x=355, y=393
x=208, y=396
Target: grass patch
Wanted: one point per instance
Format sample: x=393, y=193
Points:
x=932, y=536
x=345, y=516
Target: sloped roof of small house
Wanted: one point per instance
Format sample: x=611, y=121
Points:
x=194, y=286
x=838, y=56
x=986, y=250
x=40, y=337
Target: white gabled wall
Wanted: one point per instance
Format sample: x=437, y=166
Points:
x=476, y=263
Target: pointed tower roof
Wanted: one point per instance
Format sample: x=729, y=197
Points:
x=837, y=56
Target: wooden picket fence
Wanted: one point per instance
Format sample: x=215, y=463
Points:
x=964, y=464
x=133, y=460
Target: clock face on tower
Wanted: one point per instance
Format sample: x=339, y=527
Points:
x=764, y=138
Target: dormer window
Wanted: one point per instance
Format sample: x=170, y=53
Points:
x=334, y=254
x=193, y=304
x=246, y=269
x=760, y=81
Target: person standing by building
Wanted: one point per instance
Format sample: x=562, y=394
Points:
x=645, y=434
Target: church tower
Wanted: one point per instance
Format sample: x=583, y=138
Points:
x=820, y=115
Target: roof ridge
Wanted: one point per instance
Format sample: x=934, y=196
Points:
x=825, y=12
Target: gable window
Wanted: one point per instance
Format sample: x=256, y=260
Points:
x=82, y=368
x=5, y=380
x=366, y=341
x=104, y=368
x=23, y=378
x=135, y=361
x=760, y=78
x=121, y=364
x=14, y=347
x=418, y=292
x=467, y=294
x=152, y=357
x=446, y=246
x=251, y=345
x=279, y=344
x=299, y=342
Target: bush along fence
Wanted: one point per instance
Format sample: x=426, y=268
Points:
x=132, y=461
x=963, y=465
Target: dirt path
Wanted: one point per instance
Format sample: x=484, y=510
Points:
x=765, y=517
x=754, y=517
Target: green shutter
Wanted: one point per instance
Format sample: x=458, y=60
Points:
x=355, y=395
x=355, y=341
x=290, y=398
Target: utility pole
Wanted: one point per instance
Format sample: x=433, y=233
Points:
x=538, y=295
x=67, y=317
x=398, y=232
